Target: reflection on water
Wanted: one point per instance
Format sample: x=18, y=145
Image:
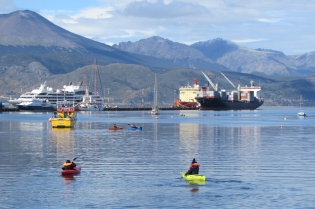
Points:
x=64, y=139
x=188, y=134
x=246, y=142
x=68, y=179
x=196, y=182
x=249, y=161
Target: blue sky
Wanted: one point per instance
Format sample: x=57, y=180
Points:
x=282, y=25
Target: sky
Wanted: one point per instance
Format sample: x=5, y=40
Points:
x=282, y=25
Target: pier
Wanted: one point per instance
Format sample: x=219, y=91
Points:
x=145, y=108
x=9, y=109
x=13, y=109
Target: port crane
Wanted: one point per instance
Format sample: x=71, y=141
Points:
x=237, y=88
x=215, y=87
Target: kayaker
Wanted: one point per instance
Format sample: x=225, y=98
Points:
x=68, y=165
x=115, y=126
x=133, y=126
x=193, y=168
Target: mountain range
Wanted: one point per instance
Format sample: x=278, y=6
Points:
x=33, y=50
x=225, y=53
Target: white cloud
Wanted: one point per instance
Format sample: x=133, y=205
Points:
x=69, y=21
x=248, y=40
x=268, y=20
x=94, y=13
x=189, y=21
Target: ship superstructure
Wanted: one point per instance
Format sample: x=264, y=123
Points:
x=187, y=95
x=71, y=93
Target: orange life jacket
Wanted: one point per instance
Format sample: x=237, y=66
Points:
x=67, y=164
x=194, y=165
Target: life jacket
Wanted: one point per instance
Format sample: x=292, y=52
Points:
x=193, y=169
x=194, y=165
x=67, y=164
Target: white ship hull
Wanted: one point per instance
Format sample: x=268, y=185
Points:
x=70, y=93
x=36, y=105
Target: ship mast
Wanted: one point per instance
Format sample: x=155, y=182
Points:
x=155, y=93
x=95, y=81
x=86, y=94
x=142, y=101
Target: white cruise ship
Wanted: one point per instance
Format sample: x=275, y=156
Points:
x=70, y=93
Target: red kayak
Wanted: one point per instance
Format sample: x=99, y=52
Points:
x=74, y=171
x=113, y=128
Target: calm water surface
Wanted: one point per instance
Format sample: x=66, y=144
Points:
x=252, y=159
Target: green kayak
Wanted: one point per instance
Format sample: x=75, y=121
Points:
x=193, y=177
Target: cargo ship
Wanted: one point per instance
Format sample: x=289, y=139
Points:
x=242, y=98
x=187, y=96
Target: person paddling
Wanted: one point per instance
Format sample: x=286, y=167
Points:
x=68, y=165
x=133, y=126
x=193, y=168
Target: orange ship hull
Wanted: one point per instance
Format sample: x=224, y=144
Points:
x=180, y=103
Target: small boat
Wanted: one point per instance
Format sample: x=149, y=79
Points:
x=155, y=110
x=115, y=128
x=92, y=101
x=193, y=177
x=36, y=105
x=301, y=113
x=64, y=117
x=135, y=128
x=90, y=107
x=74, y=171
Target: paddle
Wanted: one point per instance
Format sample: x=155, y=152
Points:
x=74, y=160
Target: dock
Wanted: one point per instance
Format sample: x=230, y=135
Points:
x=9, y=109
x=145, y=108
x=13, y=109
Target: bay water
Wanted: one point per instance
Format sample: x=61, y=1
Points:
x=262, y=158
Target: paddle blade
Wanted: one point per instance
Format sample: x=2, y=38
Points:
x=74, y=159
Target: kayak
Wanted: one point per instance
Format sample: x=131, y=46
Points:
x=136, y=128
x=113, y=128
x=193, y=177
x=74, y=171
